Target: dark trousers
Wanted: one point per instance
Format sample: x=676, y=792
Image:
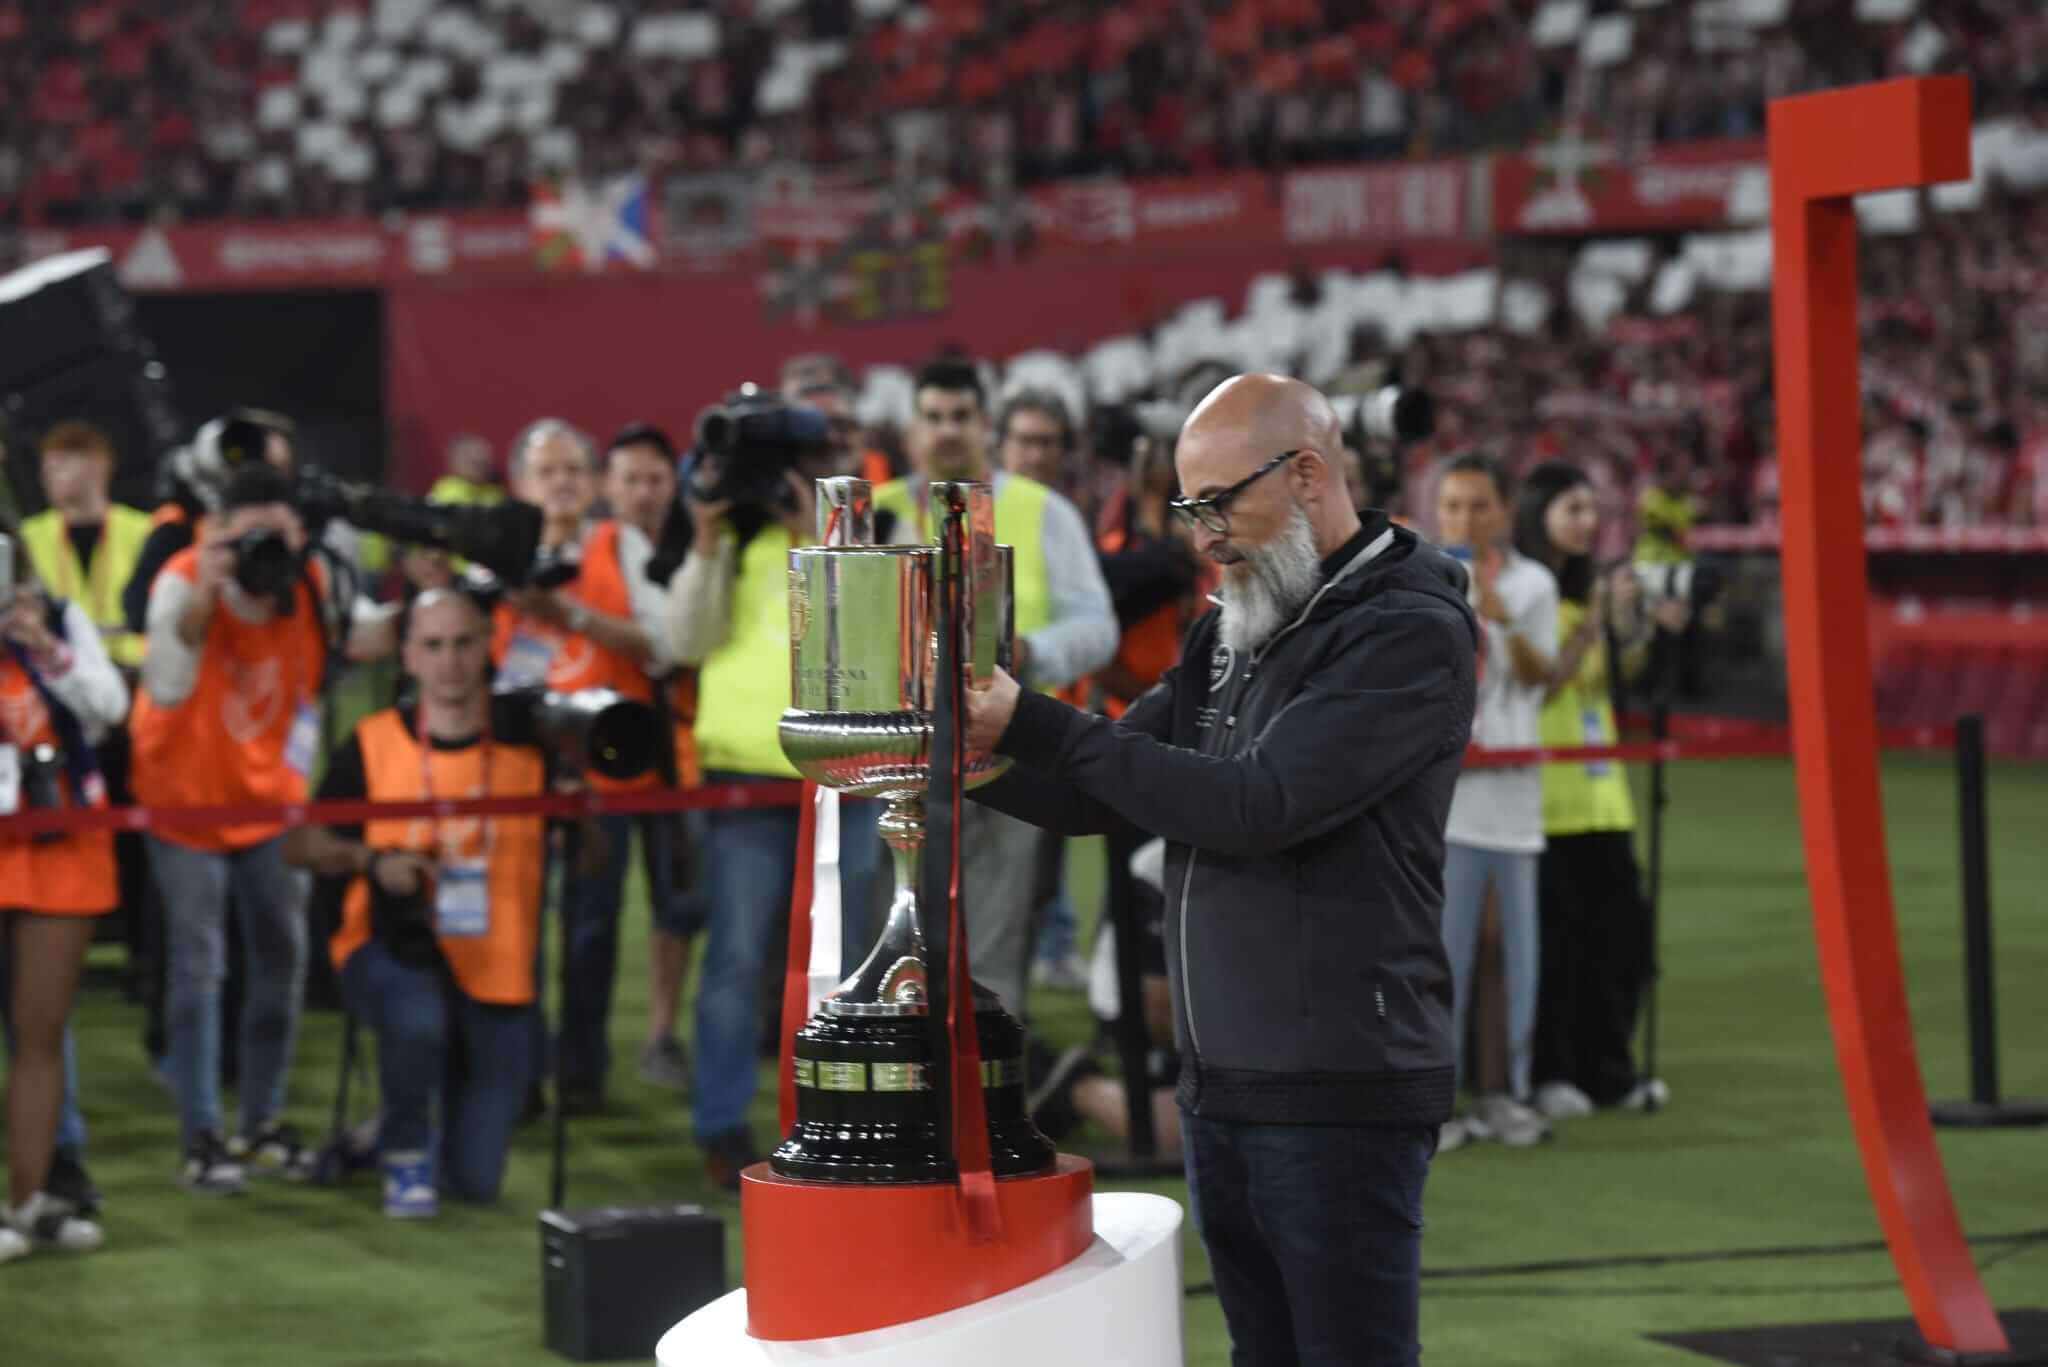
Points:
x=1314, y=1235
x=1596, y=959
x=593, y=894
x=435, y=1043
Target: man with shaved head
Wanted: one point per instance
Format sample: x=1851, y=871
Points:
x=1299, y=762
x=441, y=919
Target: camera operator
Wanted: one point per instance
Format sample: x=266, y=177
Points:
x=821, y=380
x=229, y=712
x=1495, y=834
x=441, y=921
x=1066, y=627
x=603, y=629
x=59, y=694
x=728, y=615
x=218, y=448
x=640, y=491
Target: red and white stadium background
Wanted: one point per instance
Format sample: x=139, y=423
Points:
x=738, y=272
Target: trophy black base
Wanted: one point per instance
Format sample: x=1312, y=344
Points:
x=866, y=1111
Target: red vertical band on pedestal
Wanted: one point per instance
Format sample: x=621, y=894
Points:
x=970, y=1106
x=1824, y=149
x=796, y=977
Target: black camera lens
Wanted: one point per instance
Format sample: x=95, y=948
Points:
x=264, y=564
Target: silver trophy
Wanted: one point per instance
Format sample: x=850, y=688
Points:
x=863, y=679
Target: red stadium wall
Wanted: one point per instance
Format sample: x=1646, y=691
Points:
x=603, y=350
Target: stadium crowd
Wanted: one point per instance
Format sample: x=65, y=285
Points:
x=159, y=109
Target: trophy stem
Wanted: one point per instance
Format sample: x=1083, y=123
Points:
x=891, y=980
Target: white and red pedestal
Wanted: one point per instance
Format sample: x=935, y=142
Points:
x=860, y=1274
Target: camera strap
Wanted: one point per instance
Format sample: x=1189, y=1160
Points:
x=80, y=762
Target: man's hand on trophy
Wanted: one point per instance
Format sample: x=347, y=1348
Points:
x=989, y=709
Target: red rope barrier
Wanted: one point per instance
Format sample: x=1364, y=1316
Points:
x=1693, y=738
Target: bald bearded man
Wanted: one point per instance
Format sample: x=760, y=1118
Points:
x=1299, y=762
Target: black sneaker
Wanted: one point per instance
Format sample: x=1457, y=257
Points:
x=728, y=1155
x=210, y=1169
x=274, y=1151
x=69, y=1182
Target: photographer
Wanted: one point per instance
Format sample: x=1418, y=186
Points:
x=728, y=614
x=640, y=491
x=441, y=920
x=603, y=629
x=196, y=475
x=59, y=694
x=229, y=712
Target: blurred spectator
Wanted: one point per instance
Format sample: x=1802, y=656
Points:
x=59, y=694
x=600, y=630
x=1065, y=629
x=84, y=545
x=472, y=474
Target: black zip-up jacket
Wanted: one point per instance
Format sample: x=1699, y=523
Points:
x=1302, y=792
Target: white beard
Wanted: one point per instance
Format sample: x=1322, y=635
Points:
x=1263, y=592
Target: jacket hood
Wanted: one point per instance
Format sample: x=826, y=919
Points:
x=1410, y=563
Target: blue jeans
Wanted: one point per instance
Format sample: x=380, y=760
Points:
x=1468, y=870
x=749, y=870
x=270, y=897
x=435, y=1041
x=1314, y=1235
x=591, y=906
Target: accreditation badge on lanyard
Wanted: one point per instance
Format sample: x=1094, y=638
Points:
x=462, y=899
x=1596, y=734
x=528, y=658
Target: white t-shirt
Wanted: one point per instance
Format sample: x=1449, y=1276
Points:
x=1502, y=809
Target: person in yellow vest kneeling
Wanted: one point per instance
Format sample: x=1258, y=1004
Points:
x=441, y=921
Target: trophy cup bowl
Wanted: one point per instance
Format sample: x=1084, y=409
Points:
x=863, y=674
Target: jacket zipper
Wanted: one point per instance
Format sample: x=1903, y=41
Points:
x=1187, y=991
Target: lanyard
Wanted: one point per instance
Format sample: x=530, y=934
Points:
x=426, y=749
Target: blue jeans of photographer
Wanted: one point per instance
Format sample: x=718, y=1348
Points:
x=434, y=1041
x=749, y=871
x=592, y=905
x=1314, y=1235
x=270, y=898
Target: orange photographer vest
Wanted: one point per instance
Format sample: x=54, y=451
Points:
x=494, y=965
x=573, y=661
x=72, y=874
x=250, y=729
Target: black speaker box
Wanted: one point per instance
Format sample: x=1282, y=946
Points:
x=614, y=1279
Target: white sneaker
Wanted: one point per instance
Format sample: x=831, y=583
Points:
x=12, y=1244
x=1452, y=1136
x=1504, y=1120
x=1562, y=1101
x=52, y=1223
x=1649, y=1094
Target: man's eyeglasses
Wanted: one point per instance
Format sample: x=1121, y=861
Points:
x=1213, y=512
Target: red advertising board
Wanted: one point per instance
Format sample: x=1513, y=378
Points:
x=1574, y=183
x=820, y=243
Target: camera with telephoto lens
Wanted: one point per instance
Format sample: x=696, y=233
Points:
x=1681, y=581
x=502, y=537
x=754, y=441
x=592, y=730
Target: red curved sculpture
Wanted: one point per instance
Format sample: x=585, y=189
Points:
x=1824, y=149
